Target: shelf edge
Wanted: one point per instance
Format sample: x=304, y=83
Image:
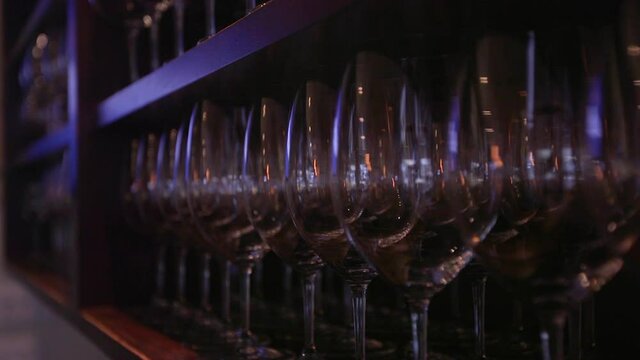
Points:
x=267, y=25
x=47, y=287
x=48, y=145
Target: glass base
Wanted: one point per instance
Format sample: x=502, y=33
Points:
x=338, y=343
x=283, y=325
x=260, y=352
x=459, y=342
x=178, y=321
x=515, y=351
x=207, y=334
x=388, y=324
x=316, y=356
x=273, y=354
x=228, y=346
x=407, y=354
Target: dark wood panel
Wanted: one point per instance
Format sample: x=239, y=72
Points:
x=91, y=161
x=270, y=23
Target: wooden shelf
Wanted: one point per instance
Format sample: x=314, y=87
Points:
x=267, y=25
x=116, y=333
x=48, y=287
x=46, y=146
x=27, y=33
x=120, y=336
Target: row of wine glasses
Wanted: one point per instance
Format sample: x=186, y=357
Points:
x=43, y=81
x=47, y=210
x=157, y=200
x=515, y=148
x=138, y=16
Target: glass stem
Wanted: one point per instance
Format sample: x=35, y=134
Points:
x=478, y=289
x=455, y=299
x=329, y=288
x=210, y=11
x=552, y=335
x=246, y=344
x=419, y=322
x=154, y=37
x=258, y=280
x=205, y=297
x=286, y=286
x=518, y=324
x=225, y=293
x=181, y=274
x=160, y=272
x=575, y=334
x=589, y=323
x=132, y=48
x=359, y=305
x=179, y=26
x=245, y=272
x=308, y=300
x=249, y=5
x=318, y=291
x=347, y=307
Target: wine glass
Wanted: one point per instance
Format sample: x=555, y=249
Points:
x=137, y=15
x=203, y=243
x=153, y=12
x=131, y=14
x=264, y=172
x=629, y=37
x=249, y=6
x=579, y=181
x=308, y=197
x=202, y=201
x=142, y=216
x=502, y=95
x=414, y=173
x=169, y=192
x=161, y=187
x=53, y=66
x=214, y=177
x=179, y=202
x=159, y=205
x=58, y=201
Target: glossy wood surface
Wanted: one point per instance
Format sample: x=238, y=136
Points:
x=118, y=334
x=135, y=339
